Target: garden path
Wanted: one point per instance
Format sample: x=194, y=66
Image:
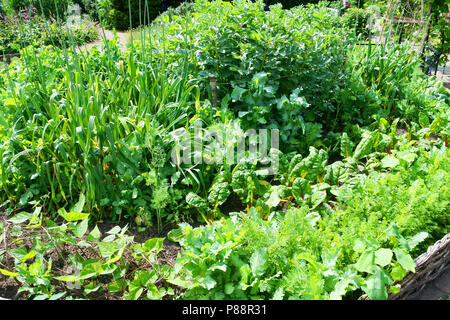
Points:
x=438, y=289
x=108, y=35
x=443, y=74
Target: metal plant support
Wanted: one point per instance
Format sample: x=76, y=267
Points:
x=431, y=60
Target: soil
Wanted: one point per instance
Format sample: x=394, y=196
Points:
x=232, y=204
x=61, y=266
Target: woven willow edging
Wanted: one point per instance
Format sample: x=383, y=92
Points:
x=429, y=266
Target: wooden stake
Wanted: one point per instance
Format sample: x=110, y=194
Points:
x=427, y=34
x=212, y=82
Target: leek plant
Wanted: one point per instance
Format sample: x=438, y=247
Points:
x=88, y=122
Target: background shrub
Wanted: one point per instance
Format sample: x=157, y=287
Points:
x=35, y=30
x=116, y=13
x=48, y=8
x=51, y=8
x=17, y=4
x=88, y=7
x=287, y=4
x=356, y=19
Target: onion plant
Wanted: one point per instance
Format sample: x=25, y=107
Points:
x=88, y=122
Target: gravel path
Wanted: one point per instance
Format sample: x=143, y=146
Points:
x=438, y=289
x=108, y=35
x=443, y=74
